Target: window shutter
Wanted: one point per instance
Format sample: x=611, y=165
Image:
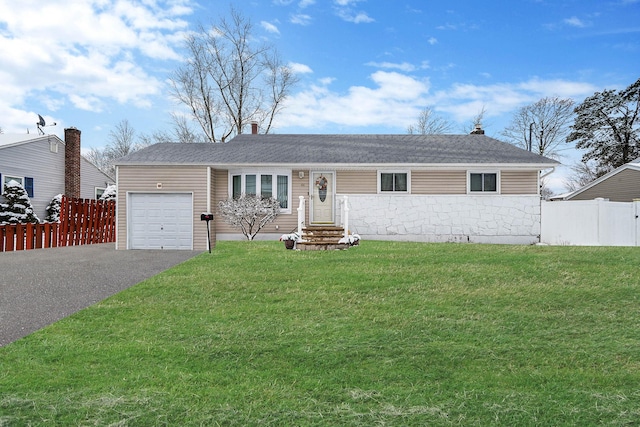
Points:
x=28, y=186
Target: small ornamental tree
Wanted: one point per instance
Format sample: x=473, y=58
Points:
x=109, y=193
x=249, y=213
x=53, y=209
x=18, y=208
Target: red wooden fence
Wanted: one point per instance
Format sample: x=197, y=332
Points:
x=82, y=222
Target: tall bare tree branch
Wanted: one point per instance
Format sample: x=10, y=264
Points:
x=542, y=125
x=429, y=123
x=230, y=80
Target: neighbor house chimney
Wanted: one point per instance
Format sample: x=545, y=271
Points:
x=72, y=162
x=478, y=130
x=254, y=128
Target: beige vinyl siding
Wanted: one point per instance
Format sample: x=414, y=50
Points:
x=438, y=182
x=519, y=182
x=174, y=179
x=285, y=222
x=356, y=182
x=621, y=187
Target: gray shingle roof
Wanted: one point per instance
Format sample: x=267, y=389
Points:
x=305, y=149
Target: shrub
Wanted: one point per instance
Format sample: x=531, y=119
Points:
x=249, y=213
x=18, y=208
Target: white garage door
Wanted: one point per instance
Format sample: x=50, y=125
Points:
x=160, y=221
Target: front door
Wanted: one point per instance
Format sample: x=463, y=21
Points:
x=322, y=198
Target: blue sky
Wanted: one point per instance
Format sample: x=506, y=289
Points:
x=365, y=66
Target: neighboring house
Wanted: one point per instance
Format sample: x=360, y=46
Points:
x=46, y=166
x=619, y=185
x=468, y=188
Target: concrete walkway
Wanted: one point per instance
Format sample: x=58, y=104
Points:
x=39, y=287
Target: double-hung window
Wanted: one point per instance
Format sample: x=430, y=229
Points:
x=393, y=182
x=483, y=182
x=26, y=182
x=265, y=184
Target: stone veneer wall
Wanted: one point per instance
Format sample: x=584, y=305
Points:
x=464, y=218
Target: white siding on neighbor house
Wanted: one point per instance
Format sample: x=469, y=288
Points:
x=35, y=160
x=91, y=178
x=463, y=218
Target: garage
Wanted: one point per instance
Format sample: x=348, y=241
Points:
x=160, y=220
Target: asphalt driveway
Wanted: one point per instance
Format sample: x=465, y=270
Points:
x=39, y=287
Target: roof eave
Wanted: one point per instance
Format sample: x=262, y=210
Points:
x=307, y=165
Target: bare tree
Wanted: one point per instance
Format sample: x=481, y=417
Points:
x=478, y=119
x=181, y=132
x=230, y=81
x=120, y=142
x=582, y=173
x=429, y=123
x=541, y=126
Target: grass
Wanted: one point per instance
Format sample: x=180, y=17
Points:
x=381, y=334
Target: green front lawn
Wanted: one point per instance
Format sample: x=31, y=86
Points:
x=381, y=334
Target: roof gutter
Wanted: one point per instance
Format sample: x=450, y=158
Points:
x=553, y=169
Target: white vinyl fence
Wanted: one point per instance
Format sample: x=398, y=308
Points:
x=590, y=223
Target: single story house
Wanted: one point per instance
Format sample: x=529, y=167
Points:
x=458, y=188
x=619, y=185
x=47, y=166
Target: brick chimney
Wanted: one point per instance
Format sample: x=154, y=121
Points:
x=254, y=128
x=72, y=162
x=478, y=130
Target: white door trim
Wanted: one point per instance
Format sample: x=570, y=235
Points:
x=314, y=197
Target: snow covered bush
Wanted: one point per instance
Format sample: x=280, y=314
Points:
x=110, y=193
x=53, y=209
x=249, y=213
x=18, y=208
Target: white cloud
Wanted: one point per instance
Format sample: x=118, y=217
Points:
x=404, y=66
x=395, y=99
x=85, y=53
x=432, y=41
x=346, y=12
x=300, y=19
x=300, y=68
x=575, y=22
x=392, y=102
x=306, y=3
x=462, y=101
x=356, y=18
x=269, y=27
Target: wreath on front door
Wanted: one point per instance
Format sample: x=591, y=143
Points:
x=321, y=183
